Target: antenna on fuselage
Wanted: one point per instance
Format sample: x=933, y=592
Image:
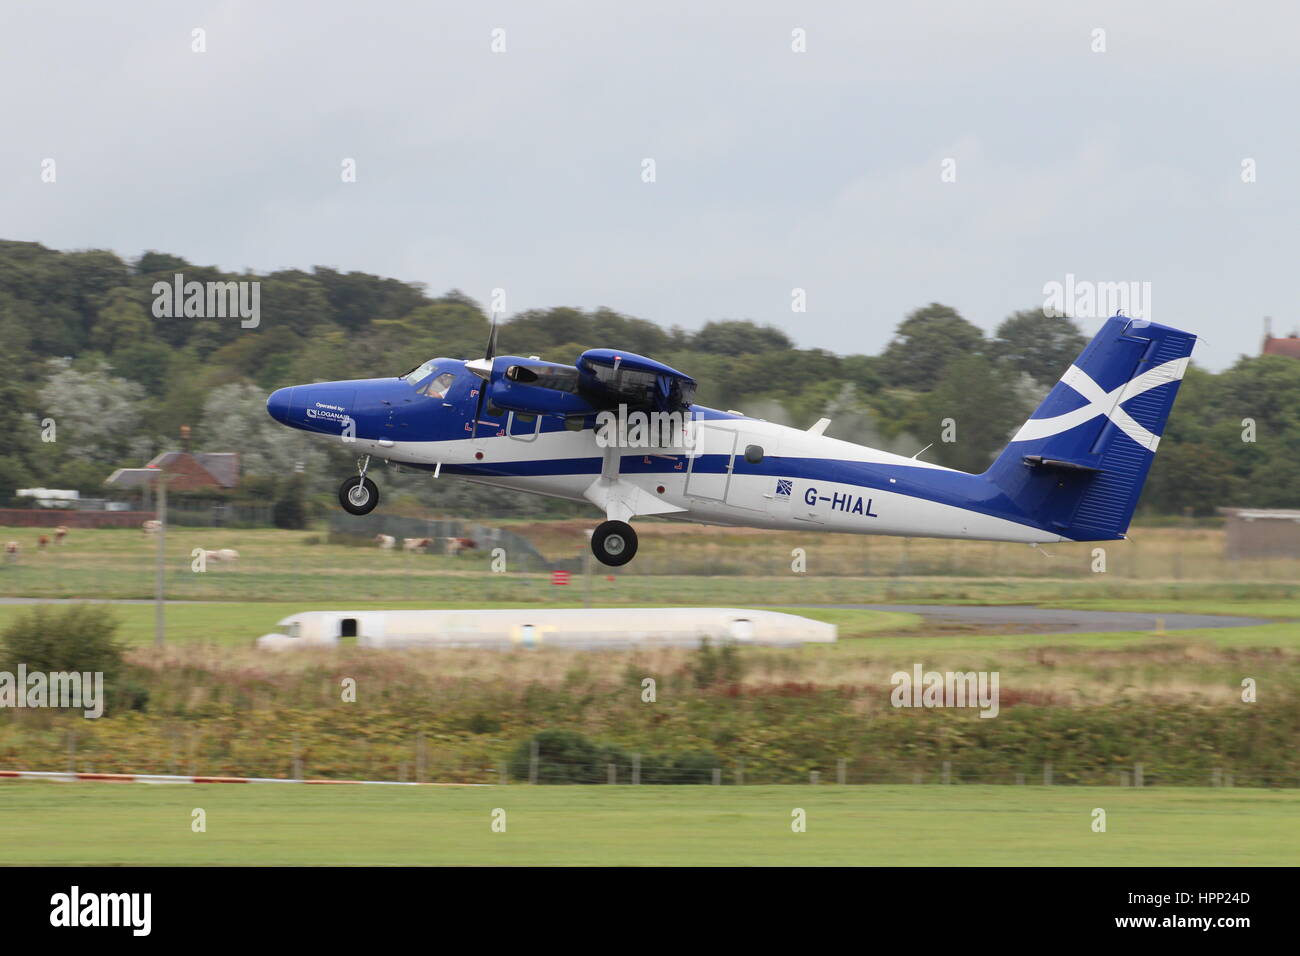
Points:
x=923, y=450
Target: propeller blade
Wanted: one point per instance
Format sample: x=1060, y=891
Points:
x=478, y=409
x=483, y=369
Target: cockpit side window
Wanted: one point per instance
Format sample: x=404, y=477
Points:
x=440, y=386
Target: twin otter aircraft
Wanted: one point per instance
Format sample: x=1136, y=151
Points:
x=622, y=432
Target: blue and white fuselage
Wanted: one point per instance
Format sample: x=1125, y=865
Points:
x=1072, y=472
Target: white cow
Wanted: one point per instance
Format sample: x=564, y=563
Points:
x=151, y=526
x=416, y=544
x=386, y=541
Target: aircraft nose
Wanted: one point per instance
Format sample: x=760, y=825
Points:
x=277, y=406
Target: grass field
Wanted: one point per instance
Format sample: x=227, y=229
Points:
x=89, y=824
x=677, y=564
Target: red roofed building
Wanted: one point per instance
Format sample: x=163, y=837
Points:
x=188, y=471
x=1289, y=346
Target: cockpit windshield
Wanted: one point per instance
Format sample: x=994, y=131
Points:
x=418, y=374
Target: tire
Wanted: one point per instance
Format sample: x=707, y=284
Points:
x=613, y=543
x=358, y=496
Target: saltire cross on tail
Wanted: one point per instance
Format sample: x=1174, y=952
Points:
x=1072, y=472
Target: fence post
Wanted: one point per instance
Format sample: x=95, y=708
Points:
x=1020, y=780
x=740, y=773
x=72, y=751
x=717, y=776
x=841, y=771
x=815, y=777
x=1137, y=775
x=533, y=754
x=1123, y=778
x=612, y=774
x=947, y=772
x=636, y=770
x=1047, y=774
x=419, y=757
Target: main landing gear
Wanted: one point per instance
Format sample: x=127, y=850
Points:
x=613, y=543
x=359, y=495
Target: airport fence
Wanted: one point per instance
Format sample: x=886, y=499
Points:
x=446, y=536
x=417, y=760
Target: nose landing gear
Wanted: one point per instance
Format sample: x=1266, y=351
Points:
x=359, y=495
x=613, y=543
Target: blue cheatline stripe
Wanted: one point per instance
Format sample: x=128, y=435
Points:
x=954, y=488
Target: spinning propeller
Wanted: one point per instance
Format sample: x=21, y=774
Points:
x=483, y=369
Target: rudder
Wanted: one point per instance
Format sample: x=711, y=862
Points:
x=1077, y=466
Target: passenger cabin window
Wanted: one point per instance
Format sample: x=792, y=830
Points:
x=440, y=386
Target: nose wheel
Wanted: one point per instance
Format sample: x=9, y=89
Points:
x=613, y=543
x=359, y=495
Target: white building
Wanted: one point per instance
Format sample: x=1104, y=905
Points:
x=548, y=627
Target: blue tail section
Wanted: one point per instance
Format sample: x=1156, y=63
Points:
x=1078, y=465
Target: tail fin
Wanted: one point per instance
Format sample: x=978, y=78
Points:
x=1078, y=465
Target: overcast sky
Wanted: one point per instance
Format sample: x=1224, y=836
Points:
x=774, y=169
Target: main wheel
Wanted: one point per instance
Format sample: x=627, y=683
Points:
x=358, y=495
x=614, y=543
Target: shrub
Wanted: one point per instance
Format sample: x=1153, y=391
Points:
x=565, y=756
x=708, y=666
x=290, y=510
x=78, y=637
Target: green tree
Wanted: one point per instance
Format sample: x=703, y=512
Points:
x=736, y=337
x=976, y=404
x=925, y=342
x=1039, y=345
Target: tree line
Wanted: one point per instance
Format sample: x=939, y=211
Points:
x=84, y=349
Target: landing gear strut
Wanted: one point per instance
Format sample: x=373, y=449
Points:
x=613, y=543
x=359, y=495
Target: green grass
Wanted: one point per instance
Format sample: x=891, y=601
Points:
x=100, y=824
x=701, y=566
x=240, y=623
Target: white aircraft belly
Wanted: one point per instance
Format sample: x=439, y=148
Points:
x=891, y=513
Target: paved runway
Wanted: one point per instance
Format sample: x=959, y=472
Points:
x=1020, y=619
